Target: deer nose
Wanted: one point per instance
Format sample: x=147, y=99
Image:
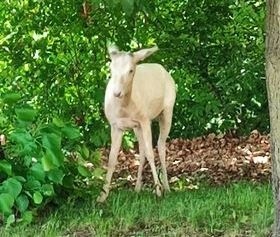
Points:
x=117, y=94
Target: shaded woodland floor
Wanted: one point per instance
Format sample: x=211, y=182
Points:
x=218, y=159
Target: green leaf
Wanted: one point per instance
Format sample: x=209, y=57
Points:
x=68, y=181
x=52, y=144
x=47, y=162
x=127, y=6
x=10, y=220
x=32, y=184
x=12, y=186
x=27, y=217
x=84, y=171
x=55, y=156
x=26, y=114
x=21, y=136
x=11, y=98
x=84, y=152
x=22, y=202
x=49, y=129
x=71, y=132
x=98, y=173
x=20, y=179
x=6, y=203
x=6, y=167
x=37, y=197
x=58, y=122
x=47, y=190
x=95, y=157
x=38, y=172
x=56, y=175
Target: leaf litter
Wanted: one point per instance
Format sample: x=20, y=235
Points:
x=217, y=158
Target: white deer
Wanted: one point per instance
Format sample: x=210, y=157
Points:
x=135, y=95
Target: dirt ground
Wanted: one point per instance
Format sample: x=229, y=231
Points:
x=217, y=158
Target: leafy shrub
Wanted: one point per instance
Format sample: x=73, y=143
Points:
x=56, y=55
x=43, y=161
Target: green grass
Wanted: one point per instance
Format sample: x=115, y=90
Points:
x=242, y=209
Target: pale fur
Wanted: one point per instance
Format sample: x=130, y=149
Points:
x=135, y=95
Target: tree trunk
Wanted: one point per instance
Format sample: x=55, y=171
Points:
x=273, y=90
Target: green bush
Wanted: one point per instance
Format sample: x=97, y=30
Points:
x=55, y=54
x=43, y=161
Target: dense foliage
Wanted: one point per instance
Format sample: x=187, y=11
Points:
x=54, y=54
x=42, y=162
x=53, y=68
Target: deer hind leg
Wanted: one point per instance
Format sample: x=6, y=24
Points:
x=116, y=138
x=147, y=137
x=139, y=136
x=164, y=126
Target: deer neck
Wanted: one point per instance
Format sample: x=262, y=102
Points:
x=126, y=101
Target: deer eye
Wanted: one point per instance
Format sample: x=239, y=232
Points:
x=131, y=71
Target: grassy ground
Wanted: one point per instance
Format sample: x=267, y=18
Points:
x=241, y=209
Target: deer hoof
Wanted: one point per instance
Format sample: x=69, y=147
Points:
x=138, y=187
x=158, y=190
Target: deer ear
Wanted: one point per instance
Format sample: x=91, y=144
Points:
x=113, y=51
x=144, y=53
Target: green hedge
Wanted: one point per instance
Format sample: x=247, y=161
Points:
x=54, y=54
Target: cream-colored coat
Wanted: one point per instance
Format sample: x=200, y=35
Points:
x=153, y=89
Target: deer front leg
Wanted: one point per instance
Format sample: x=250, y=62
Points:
x=138, y=134
x=147, y=137
x=164, y=127
x=116, y=138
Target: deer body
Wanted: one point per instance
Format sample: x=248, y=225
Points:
x=149, y=94
x=135, y=95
